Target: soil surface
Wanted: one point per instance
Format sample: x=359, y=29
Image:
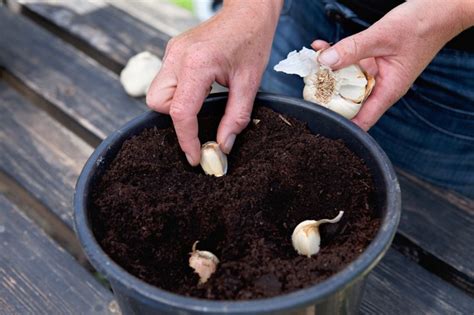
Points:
x=150, y=207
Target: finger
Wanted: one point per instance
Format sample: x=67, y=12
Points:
x=382, y=98
x=370, y=66
x=161, y=91
x=187, y=101
x=352, y=49
x=237, y=114
x=320, y=44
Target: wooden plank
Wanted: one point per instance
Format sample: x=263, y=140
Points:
x=439, y=228
x=39, y=153
x=399, y=286
x=104, y=32
x=160, y=14
x=102, y=27
x=38, y=277
x=73, y=82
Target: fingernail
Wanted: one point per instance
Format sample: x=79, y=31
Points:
x=229, y=143
x=189, y=158
x=329, y=57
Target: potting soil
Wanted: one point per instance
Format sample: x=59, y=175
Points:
x=150, y=206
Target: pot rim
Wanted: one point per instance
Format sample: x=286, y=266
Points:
x=139, y=289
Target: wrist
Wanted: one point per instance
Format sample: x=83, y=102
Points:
x=265, y=10
x=466, y=12
x=442, y=20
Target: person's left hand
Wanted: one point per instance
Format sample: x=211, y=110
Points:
x=397, y=48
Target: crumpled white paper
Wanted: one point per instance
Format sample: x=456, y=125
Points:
x=302, y=63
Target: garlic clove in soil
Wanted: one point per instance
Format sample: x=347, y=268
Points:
x=213, y=160
x=342, y=91
x=139, y=72
x=203, y=262
x=306, y=239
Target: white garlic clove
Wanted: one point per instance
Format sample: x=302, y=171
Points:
x=306, y=239
x=352, y=75
x=203, y=262
x=213, y=160
x=344, y=107
x=139, y=72
x=354, y=93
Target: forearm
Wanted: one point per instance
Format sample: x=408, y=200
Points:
x=442, y=20
x=268, y=10
x=467, y=13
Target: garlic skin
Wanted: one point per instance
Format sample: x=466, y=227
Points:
x=139, y=72
x=342, y=91
x=306, y=239
x=203, y=262
x=213, y=160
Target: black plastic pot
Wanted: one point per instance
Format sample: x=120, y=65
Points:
x=339, y=294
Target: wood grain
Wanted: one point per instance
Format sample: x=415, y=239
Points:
x=440, y=228
x=104, y=28
x=76, y=84
x=398, y=286
x=38, y=277
x=160, y=14
x=39, y=153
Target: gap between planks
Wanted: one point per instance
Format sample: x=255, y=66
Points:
x=53, y=111
x=69, y=38
x=433, y=264
x=42, y=217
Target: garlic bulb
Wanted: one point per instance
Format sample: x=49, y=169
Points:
x=213, y=160
x=306, y=239
x=139, y=72
x=203, y=262
x=342, y=91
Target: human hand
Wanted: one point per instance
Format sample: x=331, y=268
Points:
x=232, y=48
x=397, y=48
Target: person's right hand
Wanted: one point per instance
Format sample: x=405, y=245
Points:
x=232, y=48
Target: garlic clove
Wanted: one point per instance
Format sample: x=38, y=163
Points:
x=344, y=107
x=354, y=93
x=213, y=160
x=352, y=75
x=306, y=239
x=139, y=72
x=203, y=262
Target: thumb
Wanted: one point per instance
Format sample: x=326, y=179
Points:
x=237, y=113
x=352, y=49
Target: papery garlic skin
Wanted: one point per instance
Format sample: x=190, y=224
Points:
x=203, y=262
x=342, y=91
x=213, y=160
x=139, y=72
x=306, y=239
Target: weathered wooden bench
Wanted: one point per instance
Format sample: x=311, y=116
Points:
x=60, y=95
